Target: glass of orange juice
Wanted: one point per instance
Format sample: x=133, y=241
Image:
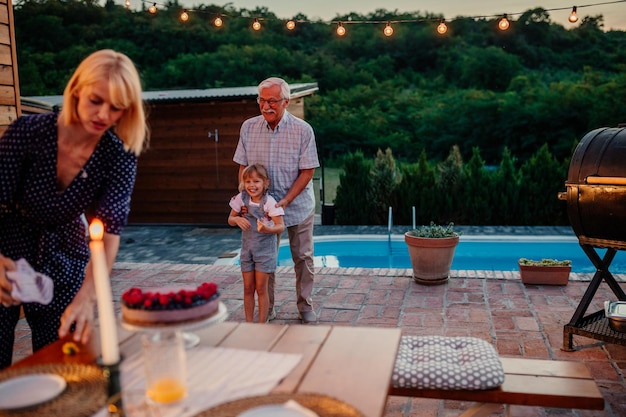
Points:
x=165, y=365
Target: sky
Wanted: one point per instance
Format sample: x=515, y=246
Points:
x=614, y=12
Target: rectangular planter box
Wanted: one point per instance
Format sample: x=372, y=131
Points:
x=544, y=275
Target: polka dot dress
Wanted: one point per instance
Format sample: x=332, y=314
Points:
x=44, y=226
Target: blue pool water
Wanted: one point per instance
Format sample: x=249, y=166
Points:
x=472, y=253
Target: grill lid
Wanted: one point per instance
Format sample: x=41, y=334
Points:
x=596, y=188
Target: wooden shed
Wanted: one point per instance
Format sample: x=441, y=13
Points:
x=188, y=175
x=9, y=83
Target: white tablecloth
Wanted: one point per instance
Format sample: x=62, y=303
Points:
x=215, y=376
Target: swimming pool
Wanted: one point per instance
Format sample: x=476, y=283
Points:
x=497, y=253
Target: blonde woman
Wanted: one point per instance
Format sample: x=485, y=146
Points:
x=55, y=168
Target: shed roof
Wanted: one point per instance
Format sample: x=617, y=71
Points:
x=197, y=95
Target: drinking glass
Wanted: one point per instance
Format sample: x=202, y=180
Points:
x=165, y=366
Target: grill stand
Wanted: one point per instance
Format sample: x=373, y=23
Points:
x=595, y=325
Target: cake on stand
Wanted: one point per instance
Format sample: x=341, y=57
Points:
x=191, y=339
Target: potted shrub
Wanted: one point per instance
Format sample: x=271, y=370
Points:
x=545, y=271
x=431, y=249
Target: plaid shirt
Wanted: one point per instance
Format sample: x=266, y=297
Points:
x=283, y=151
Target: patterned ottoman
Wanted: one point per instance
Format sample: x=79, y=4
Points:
x=449, y=363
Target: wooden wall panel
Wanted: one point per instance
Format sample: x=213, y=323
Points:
x=9, y=82
x=7, y=115
x=5, y=34
x=7, y=95
x=6, y=75
x=187, y=176
x=6, y=14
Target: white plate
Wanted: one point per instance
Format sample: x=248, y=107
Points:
x=274, y=410
x=30, y=390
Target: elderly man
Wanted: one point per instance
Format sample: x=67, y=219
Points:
x=286, y=146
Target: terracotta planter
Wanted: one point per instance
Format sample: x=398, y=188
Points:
x=431, y=258
x=544, y=275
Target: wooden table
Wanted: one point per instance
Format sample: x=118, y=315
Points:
x=352, y=364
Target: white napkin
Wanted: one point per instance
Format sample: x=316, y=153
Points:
x=216, y=375
x=30, y=286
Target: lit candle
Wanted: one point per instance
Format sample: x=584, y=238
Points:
x=106, y=316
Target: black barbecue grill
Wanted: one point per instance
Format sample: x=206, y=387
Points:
x=596, y=207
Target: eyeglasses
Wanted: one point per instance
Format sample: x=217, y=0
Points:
x=272, y=101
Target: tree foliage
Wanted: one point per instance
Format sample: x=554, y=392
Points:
x=475, y=88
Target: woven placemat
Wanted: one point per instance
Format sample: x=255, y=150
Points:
x=85, y=394
x=323, y=405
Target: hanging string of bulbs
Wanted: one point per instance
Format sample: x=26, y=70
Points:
x=442, y=27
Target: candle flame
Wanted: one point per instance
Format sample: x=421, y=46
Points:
x=96, y=229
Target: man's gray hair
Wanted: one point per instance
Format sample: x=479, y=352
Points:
x=285, y=92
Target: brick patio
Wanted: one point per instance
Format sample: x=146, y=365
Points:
x=520, y=320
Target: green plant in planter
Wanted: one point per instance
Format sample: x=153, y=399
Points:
x=545, y=271
x=434, y=231
x=545, y=262
x=431, y=249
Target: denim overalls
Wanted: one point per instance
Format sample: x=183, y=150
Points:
x=259, y=251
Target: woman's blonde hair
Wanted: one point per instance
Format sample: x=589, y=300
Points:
x=124, y=89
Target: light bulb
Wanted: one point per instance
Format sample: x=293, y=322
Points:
x=256, y=25
x=442, y=27
x=152, y=9
x=388, y=31
x=218, y=21
x=127, y=4
x=573, y=18
x=503, y=24
x=291, y=25
x=340, y=29
x=184, y=16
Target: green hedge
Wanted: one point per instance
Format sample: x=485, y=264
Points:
x=466, y=193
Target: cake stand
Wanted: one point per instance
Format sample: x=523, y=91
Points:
x=190, y=339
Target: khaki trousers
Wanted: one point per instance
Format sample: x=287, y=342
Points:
x=301, y=245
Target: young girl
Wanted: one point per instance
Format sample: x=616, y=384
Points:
x=261, y=221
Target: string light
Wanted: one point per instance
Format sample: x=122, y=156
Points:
x=573, y=18
x=388, y=31
x=442, y=27
x=503, y=24
x=340, y=29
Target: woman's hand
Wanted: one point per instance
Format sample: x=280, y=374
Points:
x=79, y=312
x=6, y=264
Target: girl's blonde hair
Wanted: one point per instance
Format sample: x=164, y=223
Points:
x=125, y=92
x=259, y=170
